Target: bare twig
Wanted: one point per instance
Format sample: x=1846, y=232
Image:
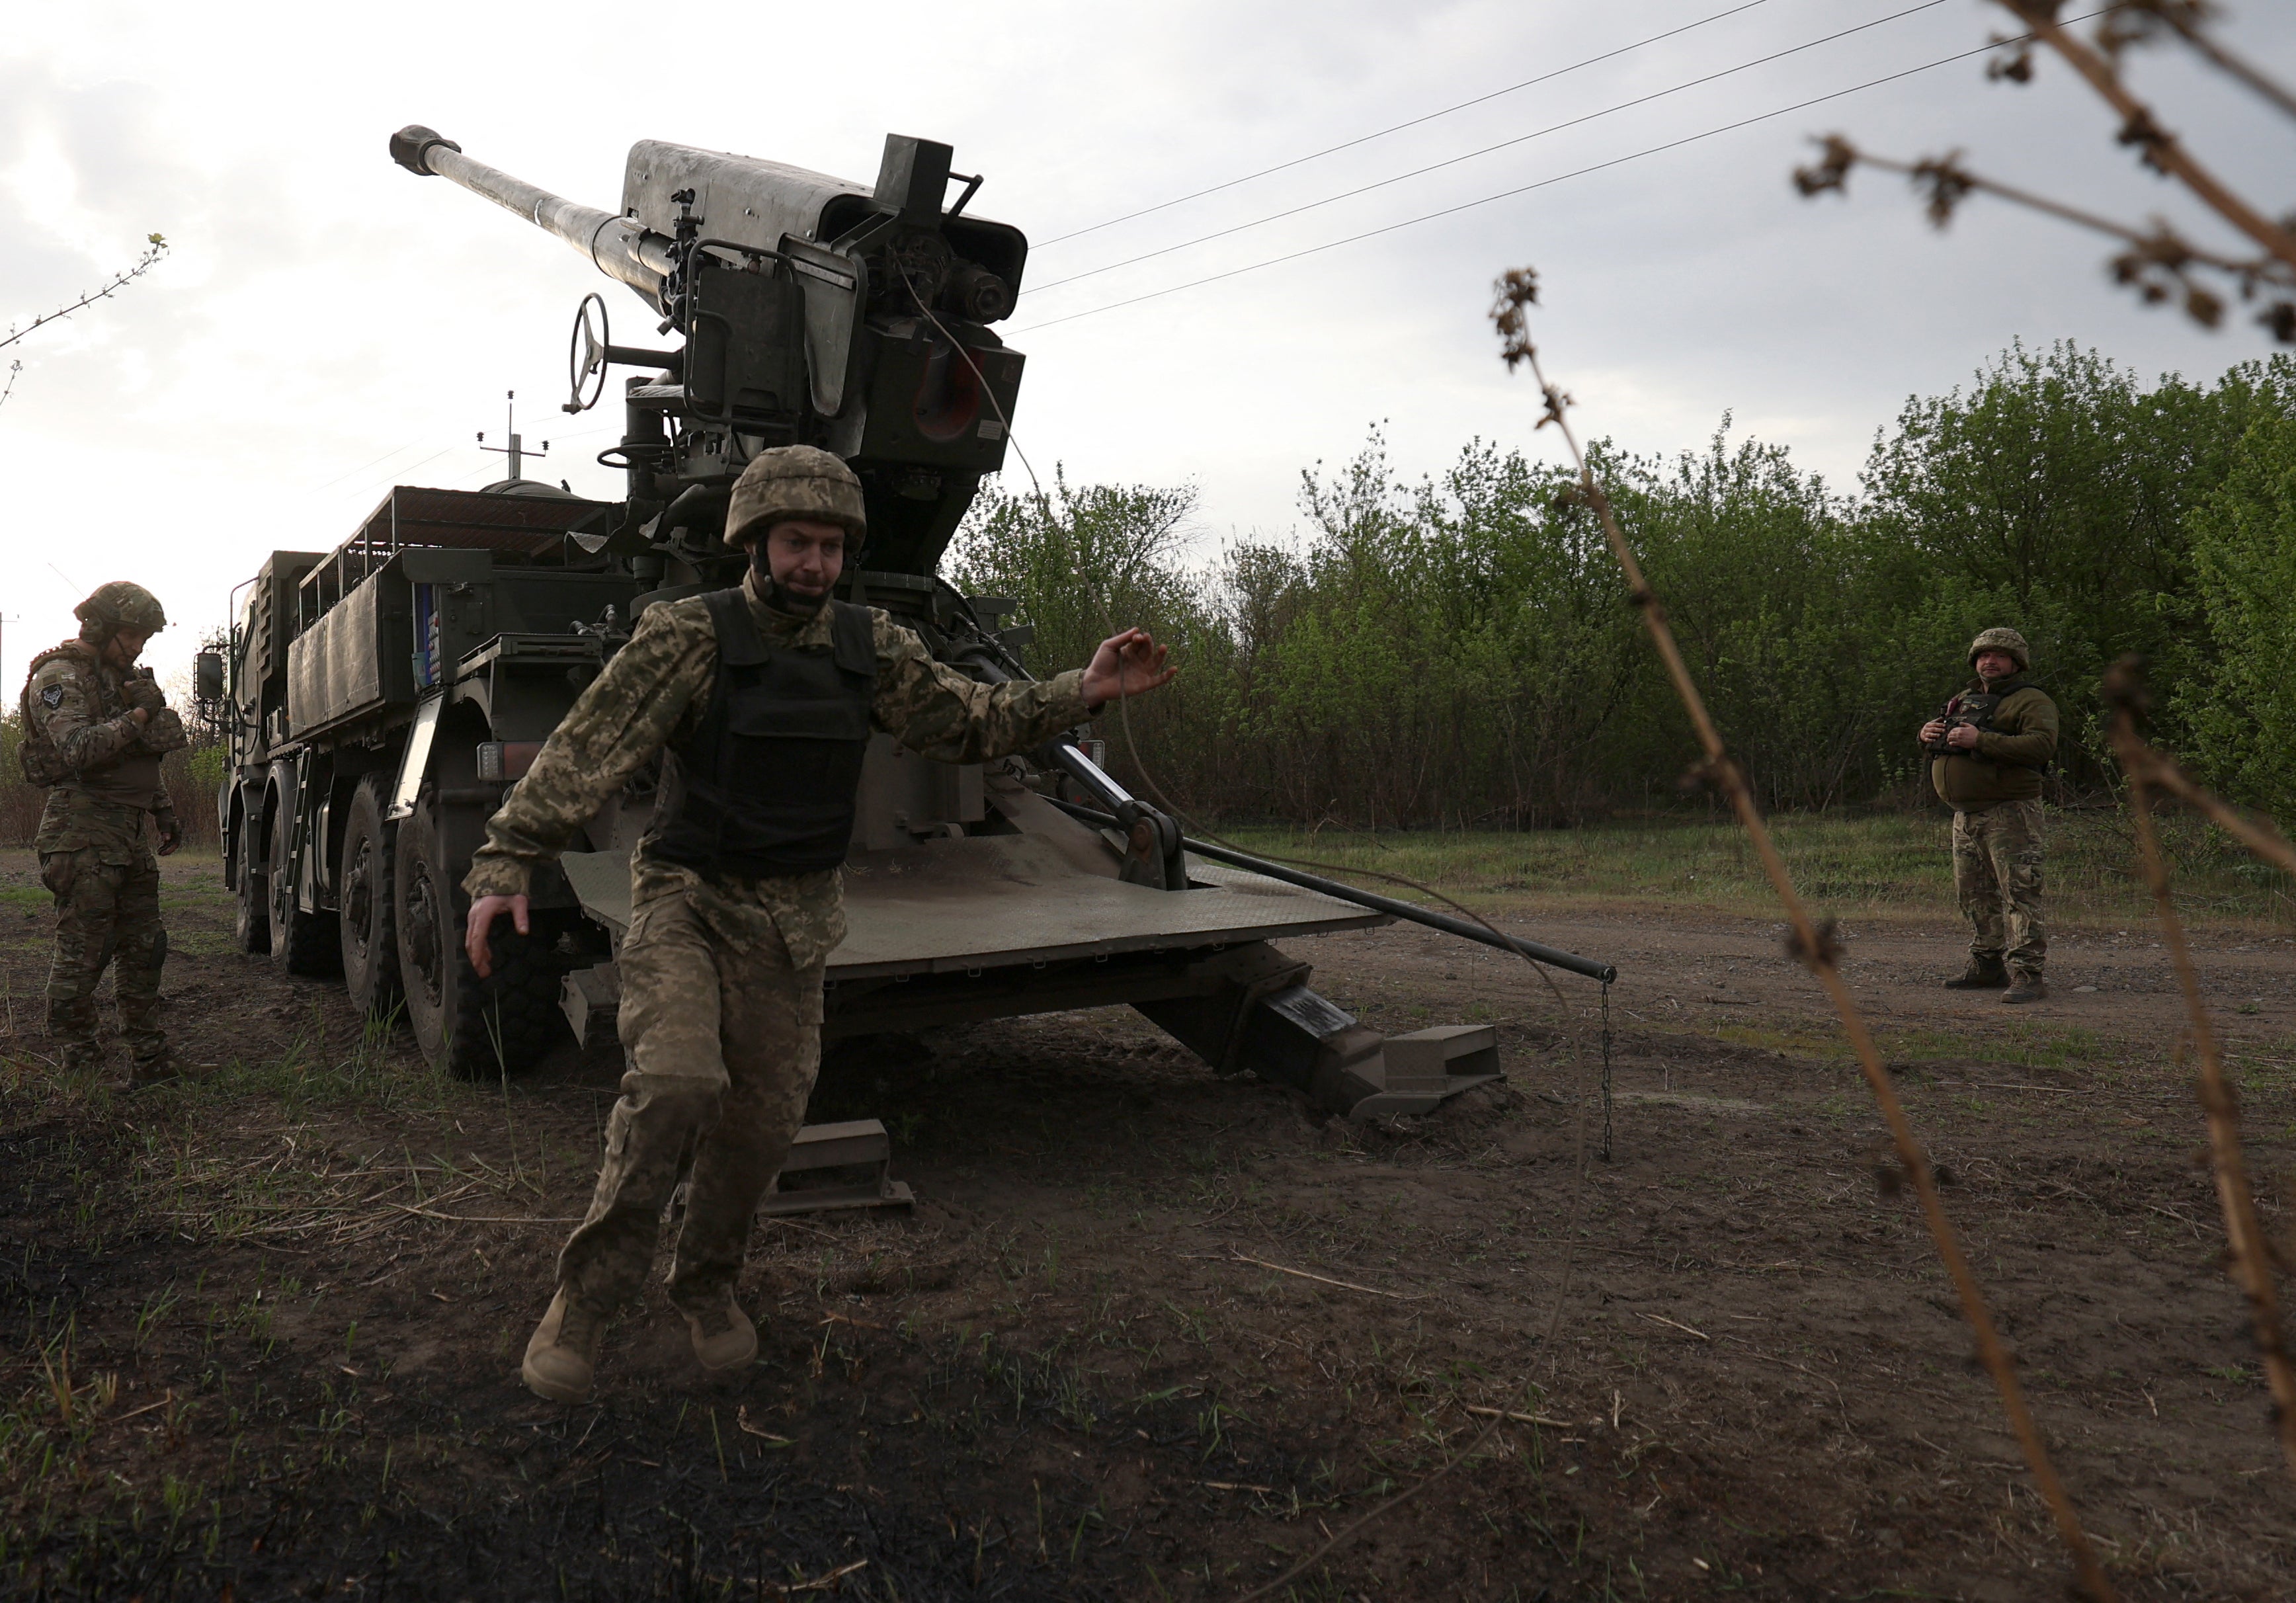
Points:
x=1521, y=1418
x=1322, y=1279
x=1814, y=943
x=2162, y=150
x=2136, y=22
x=155, y=247
x=2267, y=842
x=2157, y=261
x=2251, y=1255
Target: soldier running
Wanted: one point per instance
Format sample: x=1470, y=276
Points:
x=94, y=728
x=763, y=698
x=1988, y=752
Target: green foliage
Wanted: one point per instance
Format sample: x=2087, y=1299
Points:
x=2242, y=710
x=1460, y=651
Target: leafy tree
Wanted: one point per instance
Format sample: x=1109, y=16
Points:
x=2242, y=710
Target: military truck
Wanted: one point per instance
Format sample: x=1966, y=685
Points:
x=386, y=693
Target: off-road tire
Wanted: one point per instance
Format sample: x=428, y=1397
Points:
x=370, y=942
x=251, y=930
x=303, y=944
x=470, y=1028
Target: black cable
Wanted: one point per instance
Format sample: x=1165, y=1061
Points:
x=1396, y=129
x=1520, y=189
x=1418, y=172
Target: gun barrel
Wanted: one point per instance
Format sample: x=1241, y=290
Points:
x=617, y=246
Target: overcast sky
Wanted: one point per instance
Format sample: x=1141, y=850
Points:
x=327, y=325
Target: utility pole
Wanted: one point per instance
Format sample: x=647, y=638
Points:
x=516, y=450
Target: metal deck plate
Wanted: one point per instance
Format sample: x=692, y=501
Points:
x=993, y=902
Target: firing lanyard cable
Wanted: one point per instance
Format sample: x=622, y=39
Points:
x=1573, y=1030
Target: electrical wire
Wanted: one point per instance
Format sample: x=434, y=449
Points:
x=1394, y=129
x=1419, y=172
x=1509, y=193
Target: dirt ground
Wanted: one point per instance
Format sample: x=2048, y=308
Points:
x=1153, y=1334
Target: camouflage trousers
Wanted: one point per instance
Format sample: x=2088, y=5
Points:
x=1996, y=875
x=105, y=912
x=722, y=1039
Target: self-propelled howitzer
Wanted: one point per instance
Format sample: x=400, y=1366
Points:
x=385, y=694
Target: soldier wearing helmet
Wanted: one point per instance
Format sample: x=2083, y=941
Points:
x=95, y=726
x=761, y=700
x=1986, y=751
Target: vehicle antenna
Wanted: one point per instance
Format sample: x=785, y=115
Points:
x=516, y=450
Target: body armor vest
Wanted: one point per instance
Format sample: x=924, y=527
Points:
x=42, y=764
x=768, y=782
x=1976, y=708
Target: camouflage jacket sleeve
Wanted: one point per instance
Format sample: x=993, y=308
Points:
x=58, y=696
x=939, y=712
x=2024, y=730
x=627, y=714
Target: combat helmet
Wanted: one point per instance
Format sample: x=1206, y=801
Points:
x=117, y=606
x=794, y=482
x=2002, y=639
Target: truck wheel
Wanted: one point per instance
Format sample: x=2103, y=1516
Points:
x=302, y=943
x=370, y=948
x=252, y=930
x=472, y=1028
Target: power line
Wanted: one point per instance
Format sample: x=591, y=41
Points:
x=1487, y=150
x=1522, y=189
x=1396, y=128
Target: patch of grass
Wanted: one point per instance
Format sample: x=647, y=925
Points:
x=1893, y=862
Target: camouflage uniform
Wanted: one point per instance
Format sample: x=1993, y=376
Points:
x=95, y=858
x=1994, y=791
x=1996, y=878
x=721, y=976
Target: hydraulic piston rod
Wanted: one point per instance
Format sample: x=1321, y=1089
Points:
x=1552, y=956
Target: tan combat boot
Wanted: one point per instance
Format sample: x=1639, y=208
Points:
x=724, y=1339
x=563, y=1355
x=2025, y=987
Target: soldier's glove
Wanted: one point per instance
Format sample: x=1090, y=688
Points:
x=141, y=692
x=165, y=733
x=171, y=831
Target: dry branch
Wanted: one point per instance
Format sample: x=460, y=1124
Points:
x=2159, y=262
x=2162, y=150
x=1813, y=943
x=2250, y=1257
x=1321, y=1280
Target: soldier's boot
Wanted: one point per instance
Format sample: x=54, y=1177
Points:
x=1981, y=974
x=724, y=1337
x=147, y=1043
x=562, y=1359
x=2025, y=987
x=156, y=1068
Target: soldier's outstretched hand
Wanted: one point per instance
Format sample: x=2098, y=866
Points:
x=1128, y=664
x=484, y=912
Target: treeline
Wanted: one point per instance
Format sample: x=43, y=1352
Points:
x=1461, y=652
x=192, y=778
